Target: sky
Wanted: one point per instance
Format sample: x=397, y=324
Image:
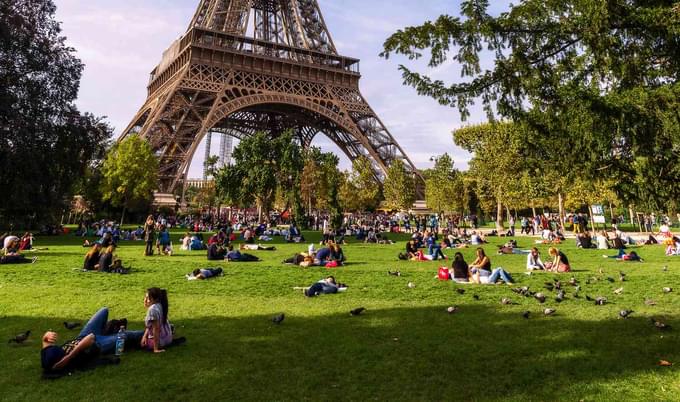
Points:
x=121, y=41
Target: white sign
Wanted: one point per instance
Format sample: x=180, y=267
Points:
x=598, y=219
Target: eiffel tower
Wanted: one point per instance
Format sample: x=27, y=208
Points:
x=245, y=66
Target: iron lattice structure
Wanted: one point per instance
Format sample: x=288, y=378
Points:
x=245, y=66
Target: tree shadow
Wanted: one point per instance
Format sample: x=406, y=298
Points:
x=478, y=353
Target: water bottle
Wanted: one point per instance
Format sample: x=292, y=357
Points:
x=120, y=341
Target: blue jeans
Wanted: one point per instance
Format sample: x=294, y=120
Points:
x=436, y=251
x=621, y=253
x=500, y=273
x=107, y=343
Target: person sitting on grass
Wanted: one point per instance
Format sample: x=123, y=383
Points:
x=622, y=256
x=433, y=248
x=327, y=285
x=322, y=256
x=460, y=272
x=336, y=254
x=411, y=248
x=216, y=253
x=534, y=260
x=186, y=242
x=163, y=244
x=92, y=342
x=603, y=240
x=559, y=263
x=480, y=267
x=235, y=255
x=92, y=258
x=204, y=273
x=158, y=332
x=26, y=242
x=196, y=243
x=109, y=263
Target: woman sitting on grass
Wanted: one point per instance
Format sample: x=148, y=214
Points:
x=92, y=257
x=460, y=272
x=534, y=260
x=559, y=263
x=480, y=267
x=109, y=263
x=158, y=331
x=325, y=286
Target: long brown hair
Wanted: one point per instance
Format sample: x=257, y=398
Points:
x=95, y=249
x=159, y=295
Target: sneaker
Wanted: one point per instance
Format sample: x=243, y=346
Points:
x=34, y=259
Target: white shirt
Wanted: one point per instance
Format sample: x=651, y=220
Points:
x=8, y=240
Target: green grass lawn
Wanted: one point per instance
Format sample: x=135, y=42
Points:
x=405, y=347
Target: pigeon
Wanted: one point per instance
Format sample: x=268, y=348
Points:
x=560, y=296
x=460, y=291
x=665, y=268
x=549, y=311
x=622, y=276
x=573, y=281
x=589, y=298
x=549, y=286
x=411, y=285
x=600, y=301
x=279, y=318
x=578, y=288
x=505, y=301
x=667, y=290
x=395, y=273
x=357, y=311
x=526, y=314
x=650, y=302
x=661, y=326
x=71, y=325
x=476, y=297
x=452, y=309
x=601, y=271
x=618, y=291
x=540, y=297
x=517, y=290
x=610, y=279
x=21, y=338
x=625, y=313
x=558, y=285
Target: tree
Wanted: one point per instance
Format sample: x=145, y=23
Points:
x=368, y=190
x=443, y=184
x=399, y=187
x=46, y=144
x=498, y=163
x=262, y=165
x=129, y=174
x=595, y=80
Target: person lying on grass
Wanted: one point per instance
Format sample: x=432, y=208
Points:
x=88, y=345
x=235, y=255
x=327, y=285
x=622, y=256
x=511, y=248
x=559, y=263
x=256, y=247
x=204, y=273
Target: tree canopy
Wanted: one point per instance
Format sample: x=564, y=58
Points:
x=596, y=81
x=46, y=144
x=399, y=187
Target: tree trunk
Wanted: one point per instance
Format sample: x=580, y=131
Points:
x=122, y=217
x=560, y=203
x=632, y=217
x=499, y=218
x=533, y=209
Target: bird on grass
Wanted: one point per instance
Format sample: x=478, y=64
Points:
x=452, y=309
x=410, y=285
x=460, y=291
x=505, y=301
x=278, y=319
x=20, y=338
x=395, y=273
x=558, y=284
x=625, y=313
x=610, y=279
x=540, y=297
x=667, y=290
x=665, y=268
x=661, y=326
x=618, y=291
x=71, y=325
x=622, y=276
x=560, y=296
x=357, y=311
x=600, y=301
x=573, y=281
x=526, y=314
x=476, y=297
x=549, y=311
